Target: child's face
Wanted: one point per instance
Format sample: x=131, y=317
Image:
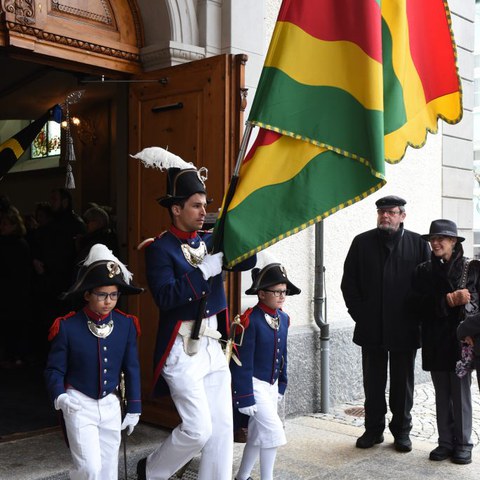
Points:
x=273, y=297
x=99, y=302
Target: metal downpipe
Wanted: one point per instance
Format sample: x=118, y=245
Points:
x=320, y=306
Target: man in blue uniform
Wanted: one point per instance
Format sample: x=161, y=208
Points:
x=89, y=351
x=180, y=273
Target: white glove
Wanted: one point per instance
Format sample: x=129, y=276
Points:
x=66, y=404
x=279, y=397
x=250, y=411
x=130, y=420
x=211, y=265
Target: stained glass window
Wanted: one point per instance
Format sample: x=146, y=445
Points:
x=47, y=142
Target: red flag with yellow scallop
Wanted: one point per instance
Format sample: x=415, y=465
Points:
x=346, y=86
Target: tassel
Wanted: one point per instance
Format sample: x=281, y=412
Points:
x=70, y=150
x=70, y=181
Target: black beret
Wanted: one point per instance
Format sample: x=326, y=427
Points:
x=390, y=201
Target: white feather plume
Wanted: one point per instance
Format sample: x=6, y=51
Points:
x=265, y=258
x=101, y=252
x=157, y=157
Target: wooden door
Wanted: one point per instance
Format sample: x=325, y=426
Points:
x=194, y=110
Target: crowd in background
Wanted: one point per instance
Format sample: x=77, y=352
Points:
x=39, y=258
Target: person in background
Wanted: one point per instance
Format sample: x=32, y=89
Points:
x=15, y=289
x=180, y=272
x=261, y=379
x=97, y=223
x=90, y=349
x=376, y=283
x=440, y=299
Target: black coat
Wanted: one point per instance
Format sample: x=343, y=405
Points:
x=439, y=322
x=376, y=281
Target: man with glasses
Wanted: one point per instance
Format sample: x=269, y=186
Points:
x=376, y=281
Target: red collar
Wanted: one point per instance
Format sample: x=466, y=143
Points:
x=95, y=316
x=181, y=234
x=271, y=311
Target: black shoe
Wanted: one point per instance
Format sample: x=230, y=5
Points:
x=440, y=453
x=402, y=443
x=368, y=440
x=462, y=456
x=142, y=469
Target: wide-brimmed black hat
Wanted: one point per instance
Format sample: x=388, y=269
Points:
x=443, y=227
x=182, y=184
x=390, y=201
x=101, y=268
x=271, y=274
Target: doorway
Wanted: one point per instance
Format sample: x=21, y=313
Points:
x=27, y=90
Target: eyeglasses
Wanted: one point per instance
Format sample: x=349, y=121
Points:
x=390, y=213
x=102, y=296
x=278, y=293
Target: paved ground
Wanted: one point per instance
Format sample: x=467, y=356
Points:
x=320, y=446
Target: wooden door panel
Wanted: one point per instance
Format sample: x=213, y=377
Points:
x=189, y=111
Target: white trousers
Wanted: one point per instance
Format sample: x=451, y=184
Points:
x=200, y=386
x=94, y=436
x=265, y=428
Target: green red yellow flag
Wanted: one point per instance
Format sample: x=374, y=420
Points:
x=346, y=86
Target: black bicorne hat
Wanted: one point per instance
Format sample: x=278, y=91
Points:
x=271, y=274
x=183, y=179
x=182, y=184
x=101, y=268
x=444, y=228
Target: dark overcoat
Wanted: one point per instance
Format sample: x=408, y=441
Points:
x=376, y=282
x=439, y=322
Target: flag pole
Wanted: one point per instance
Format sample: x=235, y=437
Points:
x=218, y=230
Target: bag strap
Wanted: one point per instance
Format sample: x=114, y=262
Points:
x=463, y=280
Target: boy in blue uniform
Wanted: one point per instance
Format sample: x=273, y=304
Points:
x=261, y=379
x=180, y=273
x=89, y=351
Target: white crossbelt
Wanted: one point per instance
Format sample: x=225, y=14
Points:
x=190, y=345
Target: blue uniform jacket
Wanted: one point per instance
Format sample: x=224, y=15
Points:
x=263, y=354
x=177, y=288
x=92, y=365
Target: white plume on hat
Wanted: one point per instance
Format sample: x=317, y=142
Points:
x=100, y=252
x=157, y=157
x=265, y=258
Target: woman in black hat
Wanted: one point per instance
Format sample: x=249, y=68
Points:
x=440, y=297
x=90, y=350
x=261, y=379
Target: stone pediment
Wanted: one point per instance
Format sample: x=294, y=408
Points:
x=103, y=33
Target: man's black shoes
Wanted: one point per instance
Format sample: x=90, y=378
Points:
x=440, y=453
x=368, y=440
x=462, y=456
x=402, y=443
x=142, y=469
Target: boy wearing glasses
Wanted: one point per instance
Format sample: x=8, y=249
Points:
x=376, y=282
x=261, y=379
x=89, y=351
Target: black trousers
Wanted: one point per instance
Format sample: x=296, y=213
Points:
x=377, y=363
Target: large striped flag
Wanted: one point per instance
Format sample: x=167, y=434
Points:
x=346, y=85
